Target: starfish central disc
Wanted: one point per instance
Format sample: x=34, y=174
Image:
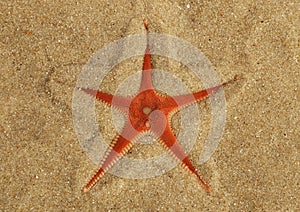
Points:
x=141, y=108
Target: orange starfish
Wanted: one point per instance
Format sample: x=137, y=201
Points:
x=151, y=112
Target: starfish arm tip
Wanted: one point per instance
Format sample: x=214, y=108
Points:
x=204, y=184
x=236, y=77
x=146, y=24
x=85, y=189
x=208, y=188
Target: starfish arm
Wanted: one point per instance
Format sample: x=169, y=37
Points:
x=119, y=102
x=169, y=141
x=187, y=99
x=146, y=82
x=118, y=148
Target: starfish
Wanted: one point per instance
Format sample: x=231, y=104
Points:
x=148, y=111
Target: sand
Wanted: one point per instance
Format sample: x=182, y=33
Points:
x=43, y=48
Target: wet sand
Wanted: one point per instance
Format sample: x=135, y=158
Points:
x=43, y=49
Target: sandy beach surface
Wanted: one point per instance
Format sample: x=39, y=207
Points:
x=43, y=48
